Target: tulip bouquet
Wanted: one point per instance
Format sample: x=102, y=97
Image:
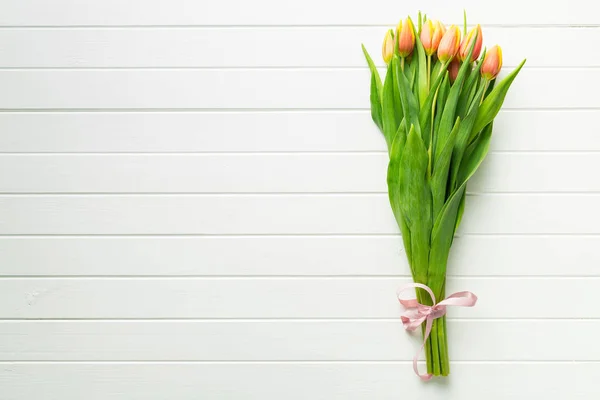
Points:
x=435, y=108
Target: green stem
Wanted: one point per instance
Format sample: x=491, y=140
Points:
x=402, y=63
x=487, y=83
x=442, y=340
x=435, y=348
x=439, y=344
x=427, y=348
x=428, y=73
x=444, y=347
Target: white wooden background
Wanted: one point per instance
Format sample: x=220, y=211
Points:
x=193, y=206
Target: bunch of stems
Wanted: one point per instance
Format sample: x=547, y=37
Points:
x=435, y=108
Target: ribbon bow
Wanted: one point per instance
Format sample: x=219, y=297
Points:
x=417, y=313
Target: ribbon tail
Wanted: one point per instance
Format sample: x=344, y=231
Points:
x=428, y=325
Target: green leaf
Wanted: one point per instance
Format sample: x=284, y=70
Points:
x=393, y=181
x=475, y=154
x=410, y=107
x=461, y=210
x=493, y=102
x=415, y=201
x=448, y=115
x=389, y=121
x=439, y=107
x=442, y=237
x=376, y=108
x=462, y=140
x=423, y=90
x=469, y=89
x=427, y=106
x=439, y=179
x=438, y=67
x=397, y=100
x=374, y=70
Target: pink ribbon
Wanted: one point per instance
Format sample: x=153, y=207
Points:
x=417, y=313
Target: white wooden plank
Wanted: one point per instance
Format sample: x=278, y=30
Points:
x=135, y=298
x=195, y=131
x=255, y=47
x=291, y=256
x=276, y=173
x=531, y=172
x=283, y=214
x=255, y=88
x=270, y=131
x=294, y=381
x=309, y=12
x=537, y=340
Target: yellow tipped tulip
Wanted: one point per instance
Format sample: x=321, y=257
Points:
x=431, y=35
x=465, y=46
x=449, y=44
x=388, y=47
x=492, y=63
x=406, y=37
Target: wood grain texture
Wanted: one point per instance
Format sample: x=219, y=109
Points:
x=472, y=255
x=277, y=173
x=240, y=12
x=271, y=297
x=272, y=131
x=295, y=381
x=296, y=47
x=192, y=206
x=256, y=89
x=267, y=340
x=282, y=214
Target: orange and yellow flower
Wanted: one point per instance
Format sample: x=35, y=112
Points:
x=388, y=47
x=431, y=35
x=467, y=42
x=406, y=37
x=449, y=44
x=492, y=63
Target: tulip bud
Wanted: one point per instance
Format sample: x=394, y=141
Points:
x=465, y=46
x=492, y=63
x=388, y=47
x=449, y=44
x=406, y=37
x=431, y=34
x=453, y=69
